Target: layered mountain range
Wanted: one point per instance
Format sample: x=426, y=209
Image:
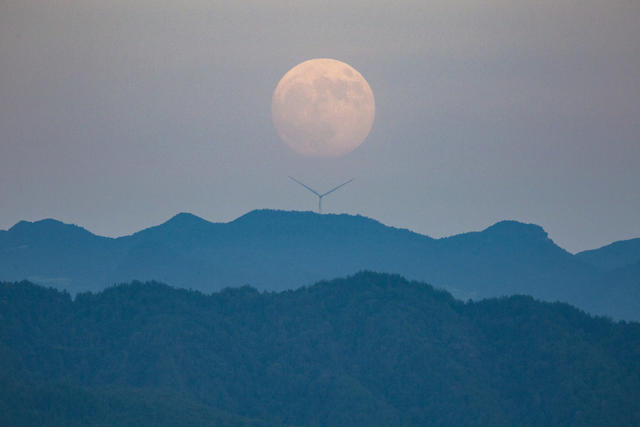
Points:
x=277, y=250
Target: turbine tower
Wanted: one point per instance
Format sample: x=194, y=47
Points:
x=320, y=196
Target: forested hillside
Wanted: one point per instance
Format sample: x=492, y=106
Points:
x=371, y=349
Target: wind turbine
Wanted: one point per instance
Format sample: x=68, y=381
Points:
x=320, y=196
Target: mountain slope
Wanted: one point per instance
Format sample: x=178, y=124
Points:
x=72, y=405
x=62, y=255
x=370, y=349
x=278, y=250
x=618, y=291
x=613, y=256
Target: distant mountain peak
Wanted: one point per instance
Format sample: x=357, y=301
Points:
x=261, y=214
x=272, y=213
x=613, y=256
x=43, y=222
x=294, y=219
x=186, y=218
x=182, y=222
x=517, y=229
x=46, y=226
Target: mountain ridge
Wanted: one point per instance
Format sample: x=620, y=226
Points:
x=503, y=227
x=277, y=250
x=613, y=255
x=187, y=218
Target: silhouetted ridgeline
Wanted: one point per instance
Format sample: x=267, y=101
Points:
x=371, y=349
x=276, y=250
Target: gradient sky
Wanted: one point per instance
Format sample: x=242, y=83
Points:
x=117, y=114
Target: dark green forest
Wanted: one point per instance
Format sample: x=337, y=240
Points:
x=370, y=349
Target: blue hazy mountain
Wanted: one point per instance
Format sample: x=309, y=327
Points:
x=613, y=256
x=276, y=250
x=370, y=349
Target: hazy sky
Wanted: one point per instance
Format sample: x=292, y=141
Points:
x=117, y=114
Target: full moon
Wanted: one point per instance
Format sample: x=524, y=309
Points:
x=323, y=108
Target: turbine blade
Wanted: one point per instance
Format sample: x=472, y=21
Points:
x=335, y=188
x=305, y=186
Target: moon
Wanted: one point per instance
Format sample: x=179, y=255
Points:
x=323, y=108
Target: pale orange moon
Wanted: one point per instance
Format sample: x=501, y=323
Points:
x=323, y=108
